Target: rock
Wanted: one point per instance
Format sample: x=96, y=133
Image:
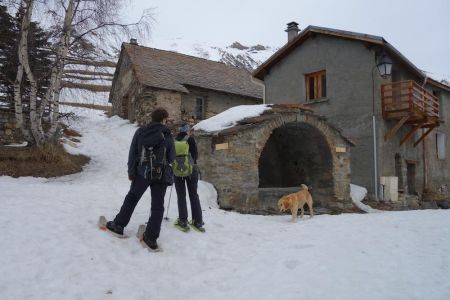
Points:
x=444, y=204
x=428, y=205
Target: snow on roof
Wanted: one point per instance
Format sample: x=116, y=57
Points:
x=444, y=79
x=230, y=117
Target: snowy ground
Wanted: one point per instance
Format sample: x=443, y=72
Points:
x=52, y=249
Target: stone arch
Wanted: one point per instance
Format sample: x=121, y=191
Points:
x=330, y=178
x=230, y=161
x=296, y=153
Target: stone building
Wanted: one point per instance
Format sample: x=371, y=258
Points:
x=337, y=74
x=190, y=88
x=255, y=162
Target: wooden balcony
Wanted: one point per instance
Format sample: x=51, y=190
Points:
x=410, y=104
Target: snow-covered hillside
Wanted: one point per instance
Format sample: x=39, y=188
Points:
x=51, y=247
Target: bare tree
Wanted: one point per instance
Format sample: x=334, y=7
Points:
x=23, y=59
x=73, y=22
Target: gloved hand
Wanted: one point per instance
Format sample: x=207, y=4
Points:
x=131, y=177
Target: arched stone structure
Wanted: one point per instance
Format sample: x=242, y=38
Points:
x=230, y=160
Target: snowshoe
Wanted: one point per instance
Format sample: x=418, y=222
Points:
x=182, y=225
x=150, y=245
x=111, y=227
x=197, y=226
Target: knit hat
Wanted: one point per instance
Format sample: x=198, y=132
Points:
x=184, y=128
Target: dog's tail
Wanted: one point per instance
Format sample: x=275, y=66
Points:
x=304, y=186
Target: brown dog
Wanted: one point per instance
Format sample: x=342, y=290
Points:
x=295, y=201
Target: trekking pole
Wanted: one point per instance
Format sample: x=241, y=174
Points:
x=168, y=205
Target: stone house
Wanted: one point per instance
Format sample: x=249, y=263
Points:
x=190, y=88
x=255, y=162
x=399, y=122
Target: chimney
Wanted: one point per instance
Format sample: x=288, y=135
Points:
x=133, y=41
x=292, y=30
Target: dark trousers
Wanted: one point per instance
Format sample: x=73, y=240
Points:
x=137, y=189
x=180, y=186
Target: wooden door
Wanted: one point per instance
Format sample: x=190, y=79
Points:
x=411, y=177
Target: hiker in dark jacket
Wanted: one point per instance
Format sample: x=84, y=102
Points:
x=141, y=177
x=191, y=182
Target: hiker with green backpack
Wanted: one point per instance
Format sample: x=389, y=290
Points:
x=186, y=174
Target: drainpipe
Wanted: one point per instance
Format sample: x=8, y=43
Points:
x=260, y=83
x=374, y=135
x=425, y=164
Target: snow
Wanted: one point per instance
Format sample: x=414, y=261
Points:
x=358, y=193
x=209, y=51
x=84, y=96
x=444, y=79
x=23, y=144
x=230, y=117
x=52, y=249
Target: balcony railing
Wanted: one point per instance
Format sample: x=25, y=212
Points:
x=410, y=104
x=408, y=98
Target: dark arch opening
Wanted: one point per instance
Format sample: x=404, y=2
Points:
x=297, y=153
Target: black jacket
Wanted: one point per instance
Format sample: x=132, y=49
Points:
x=192, y=145
x=139, y=140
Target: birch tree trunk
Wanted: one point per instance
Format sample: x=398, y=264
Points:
x=20, y=123
x=37, y=131
x=57, y=71
x=22, y=52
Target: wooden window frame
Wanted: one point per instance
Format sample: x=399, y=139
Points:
x=317, y=77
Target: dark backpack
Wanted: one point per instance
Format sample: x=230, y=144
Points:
x=153, y=156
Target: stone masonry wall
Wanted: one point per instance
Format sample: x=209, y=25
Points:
x=234, y=171
x=8, y=132
x=215, y=102
x=150, y=99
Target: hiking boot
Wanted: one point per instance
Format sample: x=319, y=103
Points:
x=182, y=225
x=197, y=225
x=115, y=228
x=152, y=244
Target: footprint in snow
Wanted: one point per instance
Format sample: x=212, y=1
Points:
x=291, y=264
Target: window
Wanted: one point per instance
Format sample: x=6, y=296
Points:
x=316, y=85
x=440, y=145
x=199, y=108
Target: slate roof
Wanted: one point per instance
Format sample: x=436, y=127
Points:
x=174, y=71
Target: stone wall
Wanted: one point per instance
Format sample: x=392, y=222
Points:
x=215, y=102
x=122, y=87
x=234, y=171
x=146, y=102
x=8, y=132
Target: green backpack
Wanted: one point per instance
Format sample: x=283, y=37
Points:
x=183, y=163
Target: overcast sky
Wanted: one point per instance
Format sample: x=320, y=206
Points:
x=419, y=29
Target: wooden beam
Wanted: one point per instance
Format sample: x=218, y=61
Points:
x=394, y=130
x=424, y=135
x=410, y=133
